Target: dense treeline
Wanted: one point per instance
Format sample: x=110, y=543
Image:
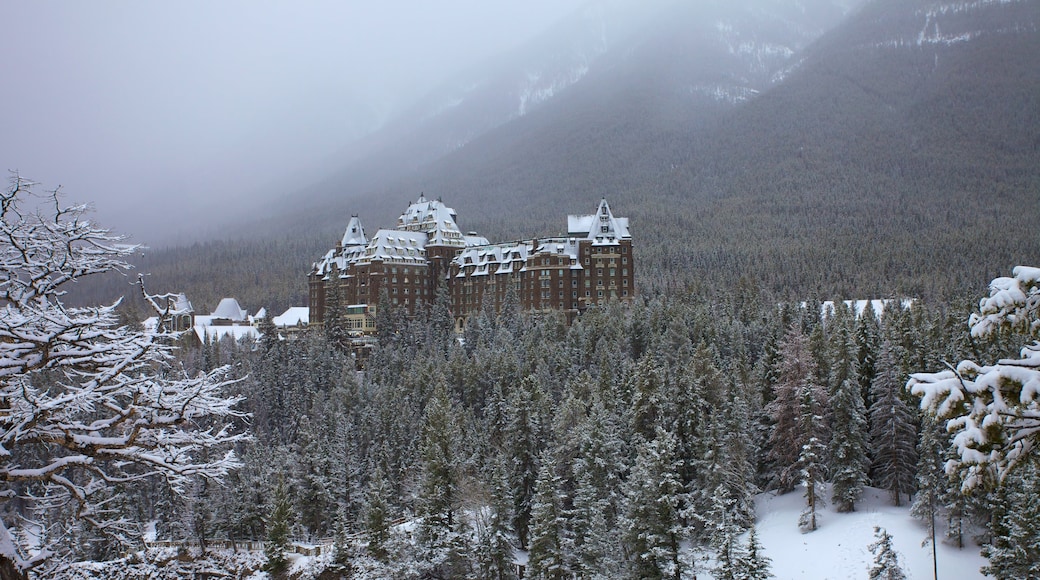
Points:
x=604, y=449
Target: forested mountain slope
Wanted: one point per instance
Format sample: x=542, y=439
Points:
x=899, y=153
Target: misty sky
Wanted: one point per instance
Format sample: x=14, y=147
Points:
x=154, y=108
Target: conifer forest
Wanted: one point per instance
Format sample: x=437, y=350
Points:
x=629, y=444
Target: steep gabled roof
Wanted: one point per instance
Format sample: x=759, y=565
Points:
x=355, y=233
x=601, y=227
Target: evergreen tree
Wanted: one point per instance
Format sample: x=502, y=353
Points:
x=651, y=528
x=932, y=482
x=494, y=547
x=886, y=561
x=377, y=516
x=594, y=544
x=797, y=369
x=1014, y=548
x=724, y=535
x=811, y=460
x=439, y=498
x=523, y=439
x=848, y=443
x=276, y=547
x=546, y=559
x=892, y=433
x=848, y=453
x=754, y=565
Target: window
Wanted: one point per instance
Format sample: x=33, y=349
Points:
x=574, y=293
x=624, y=249
x=599, y=271
x=624, y=271
x=600, y=294
x=574, y=283
x=613, y=271
x=603, y=229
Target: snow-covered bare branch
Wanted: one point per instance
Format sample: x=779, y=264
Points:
x=86, y=403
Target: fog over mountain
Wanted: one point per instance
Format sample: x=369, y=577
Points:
x=823, y=147
x=212, y=108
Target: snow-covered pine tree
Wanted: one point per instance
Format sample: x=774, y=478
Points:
x=439, y=499
x=932, y=481
x=992, y=410
x=868, y=343
x=754, y=564
x=723, y=533
x=494, y=553
x=652, y=530
x=797, y=369
x=546, y=557
x=848, y=443
x=522, y=435
x=595, y=545
x=1014, y=547
x=279, y=524
x=892, y=433
x=377, y=516
x=811, y=461
x=886, y=560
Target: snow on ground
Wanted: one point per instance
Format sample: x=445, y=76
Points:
x=838, y=548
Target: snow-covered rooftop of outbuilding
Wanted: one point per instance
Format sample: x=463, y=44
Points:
x=229, y=309
x=294, y=316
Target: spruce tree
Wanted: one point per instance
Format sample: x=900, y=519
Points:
x=848, y=455
x=276, y=547
x=546, y=558
x=848, y=443
x=439, y=498
x=494, y=547
x=892, y=432
x=886, y=561
x=754, y=564
x=797, y=369
x=811, y=461
x=652, y=530
x=1014, y=548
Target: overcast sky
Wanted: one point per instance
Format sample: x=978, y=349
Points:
x=128, y=103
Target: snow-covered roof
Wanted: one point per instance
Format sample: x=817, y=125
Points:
x=434, y=219
x=229, y=309
x=601, y=227
x=179, y=304
x=511, y=256
x=355, y=233
x=396, y=246
x=294, y=316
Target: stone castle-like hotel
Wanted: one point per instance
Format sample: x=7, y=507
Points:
x=426, y=252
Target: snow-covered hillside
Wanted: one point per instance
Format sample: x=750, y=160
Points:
x=838, y=549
